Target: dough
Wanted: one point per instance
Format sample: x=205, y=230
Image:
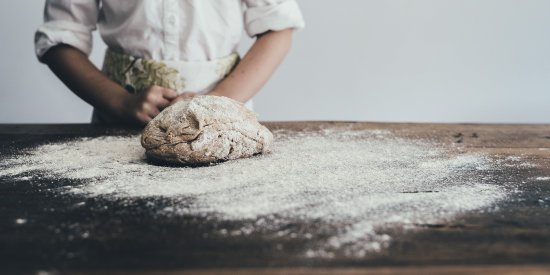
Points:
x=204, y=129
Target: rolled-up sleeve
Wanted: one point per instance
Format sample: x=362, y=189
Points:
x=272, y=15
x=68, y=22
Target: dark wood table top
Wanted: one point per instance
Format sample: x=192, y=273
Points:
x=514, y=239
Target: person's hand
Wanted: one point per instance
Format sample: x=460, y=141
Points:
x=182, y=97
x=144, y=106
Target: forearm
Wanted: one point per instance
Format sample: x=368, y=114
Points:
x=81, y=76
x=256, y=67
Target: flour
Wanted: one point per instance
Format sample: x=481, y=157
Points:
x=355, y=185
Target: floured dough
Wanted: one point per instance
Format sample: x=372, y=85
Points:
x=205, y=129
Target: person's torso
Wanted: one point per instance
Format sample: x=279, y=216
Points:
x=192, y=30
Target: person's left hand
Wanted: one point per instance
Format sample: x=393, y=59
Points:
x=182, y=97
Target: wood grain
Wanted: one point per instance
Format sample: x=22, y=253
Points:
x=447, y=270
x=515, y=239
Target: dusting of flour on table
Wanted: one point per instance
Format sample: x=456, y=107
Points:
x=355, y=184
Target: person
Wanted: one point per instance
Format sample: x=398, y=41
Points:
x=160, y=52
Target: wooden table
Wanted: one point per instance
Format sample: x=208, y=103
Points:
x=514, y=239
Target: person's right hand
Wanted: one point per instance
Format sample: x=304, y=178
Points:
x=144, y=106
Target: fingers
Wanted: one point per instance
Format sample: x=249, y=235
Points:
x=155, y=99
x=169, y=94
x=143, y=118
x=157, y=96
x=163, y=103
x=182, y=97
x=150, y=110
x=146, y=113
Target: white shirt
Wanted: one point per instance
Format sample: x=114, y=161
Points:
x=191, y=30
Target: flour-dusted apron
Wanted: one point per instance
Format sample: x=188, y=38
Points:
x=137, y=74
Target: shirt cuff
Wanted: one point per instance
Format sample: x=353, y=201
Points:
x=53, y=33
x=273, y=17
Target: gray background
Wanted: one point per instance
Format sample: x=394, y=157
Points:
x=379, y=60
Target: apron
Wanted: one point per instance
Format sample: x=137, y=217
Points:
x=136, y=74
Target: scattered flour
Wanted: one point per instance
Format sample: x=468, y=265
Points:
x=355, y=184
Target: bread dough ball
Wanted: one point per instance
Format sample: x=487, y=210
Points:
x=204, y=129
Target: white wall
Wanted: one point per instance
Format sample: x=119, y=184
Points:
x=377, y=60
